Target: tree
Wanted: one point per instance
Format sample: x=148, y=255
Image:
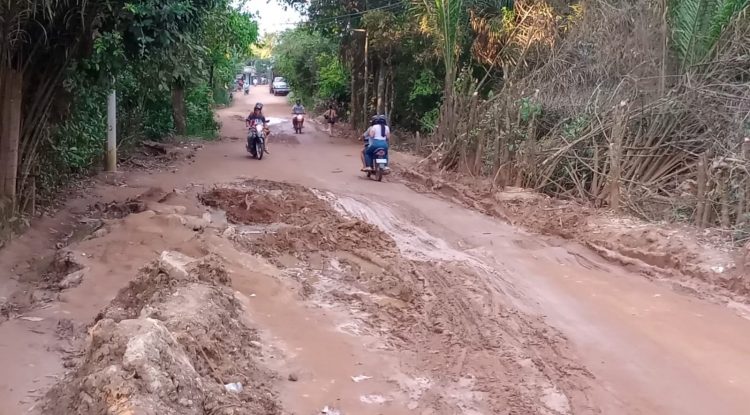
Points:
x=301, y=55
x=697, y=24
x=158, y=42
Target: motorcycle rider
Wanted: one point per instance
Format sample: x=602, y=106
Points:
x=246, y=87
x=366, y=139
x=378, y=135
x=298, y=108
x=257, y=117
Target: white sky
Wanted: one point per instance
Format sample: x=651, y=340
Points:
x=271, y=15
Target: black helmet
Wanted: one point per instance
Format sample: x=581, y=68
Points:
x=374, y=120
x=380, y=119
x=299, y=101
x=259, y=106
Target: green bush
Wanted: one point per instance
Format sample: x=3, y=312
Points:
x=333, y=79
x=200, y=112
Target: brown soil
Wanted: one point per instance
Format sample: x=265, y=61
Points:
x=701, y=264
x=450, y=328
x=366, y=298
x=264, y=202
x=167, y=344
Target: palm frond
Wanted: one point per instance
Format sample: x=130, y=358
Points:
x=697, y=24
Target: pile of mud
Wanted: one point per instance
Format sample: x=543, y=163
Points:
x=168, y=344
x=265, y=202
x=676, y=254
x=307, y=223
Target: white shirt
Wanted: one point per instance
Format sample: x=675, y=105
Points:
x=374, y=133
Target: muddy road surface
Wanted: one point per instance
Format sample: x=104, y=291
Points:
x=320, y=291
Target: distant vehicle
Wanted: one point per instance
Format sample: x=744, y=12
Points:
x=279, y=86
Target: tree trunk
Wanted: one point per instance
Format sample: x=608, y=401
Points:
x=392, y=93
x=178, y=108
x=357, y=70
x=10, y=131
x=381, y=88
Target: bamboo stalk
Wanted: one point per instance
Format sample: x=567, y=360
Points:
x=618, y=133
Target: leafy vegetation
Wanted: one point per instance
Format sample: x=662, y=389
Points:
x=170, y=62
x=309, y=62
x=697, y=25
x=613, y=102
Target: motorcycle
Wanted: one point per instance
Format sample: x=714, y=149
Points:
x=298, y=121
x=379, y=165
x=256, y=141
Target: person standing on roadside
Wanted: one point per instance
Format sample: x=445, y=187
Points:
x=331, y=116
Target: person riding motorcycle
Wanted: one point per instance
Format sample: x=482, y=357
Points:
x=257, y=117
x=298, y=108
x=378, y=136
x=366, y=140
x=246, y=88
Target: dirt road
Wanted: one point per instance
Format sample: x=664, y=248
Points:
x=435, y=309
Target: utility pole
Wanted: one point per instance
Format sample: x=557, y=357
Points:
x=367, y=81
x=112, y=131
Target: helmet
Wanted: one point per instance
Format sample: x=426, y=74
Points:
x=374, y=120
x=259, y=106
x=380, y=119
x=299, y=101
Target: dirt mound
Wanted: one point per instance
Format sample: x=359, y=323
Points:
x=334, y=234
x=309, y=222
x=692, y=261
x=118, y=210
x=63, y=272
x=168, y=344
x=152, y=155
x=266, y=202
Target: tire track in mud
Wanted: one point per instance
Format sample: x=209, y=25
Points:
x=479, y=294
x=451, y=310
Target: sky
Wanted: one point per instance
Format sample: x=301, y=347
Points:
x=271, y=15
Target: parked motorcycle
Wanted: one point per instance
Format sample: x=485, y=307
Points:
x=379, y=165
x=298, y=121
x=256, y=139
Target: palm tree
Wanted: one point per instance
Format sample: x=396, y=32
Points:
x=697, y=25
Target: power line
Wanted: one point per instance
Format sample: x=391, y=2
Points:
x=388, y=6
x=327, y=19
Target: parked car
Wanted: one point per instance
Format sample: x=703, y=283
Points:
x=279, y=86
